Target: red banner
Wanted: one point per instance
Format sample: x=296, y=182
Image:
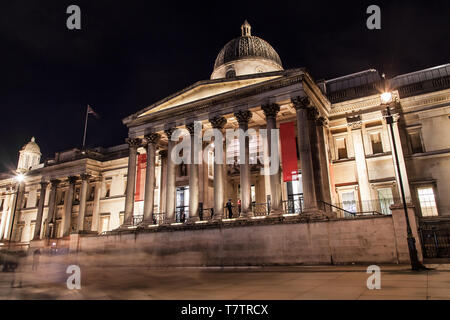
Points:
x=140, y=177
x=288, y=150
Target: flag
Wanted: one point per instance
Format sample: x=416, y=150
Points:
x=91, y=111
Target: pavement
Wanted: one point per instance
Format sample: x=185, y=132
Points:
x=233, y=283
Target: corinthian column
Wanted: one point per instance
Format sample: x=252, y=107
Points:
x=83, y=197
x=302, y=105
x=131, y=181
x=218, y=123
x=271, y=111
x=322, y=152
x=68, y=204
x=40, y=212
x=193, y=174
x=170, y=187
x=152, y=140
x=51, y=216
x=243, y=117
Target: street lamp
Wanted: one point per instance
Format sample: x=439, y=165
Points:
x=386, y=99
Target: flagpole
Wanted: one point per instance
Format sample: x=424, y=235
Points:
x=85, y=126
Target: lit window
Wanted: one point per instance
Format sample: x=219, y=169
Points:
x=416, y=142
x=348, y=201
x=375, y=140
x=385, y=200
x=341, y=147
x=253, y=193
x=104, y=223
x=427, y=201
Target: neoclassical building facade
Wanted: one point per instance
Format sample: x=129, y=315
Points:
x=334, y=144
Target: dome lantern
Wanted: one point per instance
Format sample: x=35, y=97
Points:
x=244, y=55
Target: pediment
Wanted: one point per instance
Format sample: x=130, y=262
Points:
x=201, y=91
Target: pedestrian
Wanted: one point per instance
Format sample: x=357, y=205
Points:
x=36, y=257
x=229, y=206
x=239, y=206
x=16, y=281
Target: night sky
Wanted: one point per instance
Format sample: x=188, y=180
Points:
x=130, y=54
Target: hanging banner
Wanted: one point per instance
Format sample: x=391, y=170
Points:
x=288, y=151
x=140, y=177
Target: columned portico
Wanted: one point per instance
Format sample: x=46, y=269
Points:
x=51, y=216
x=271, y=111
x=40, y=212
x=68, y=204
x=243, y=117
x=218, y=123
x=170, y=179
x=302, y=106
x=83, y=197
x=134, y=144
x=193, y=174
x=152, y=140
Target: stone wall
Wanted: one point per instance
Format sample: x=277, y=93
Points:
x=282, y=241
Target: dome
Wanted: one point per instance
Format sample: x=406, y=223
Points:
x=32, y=147
x=255, y=53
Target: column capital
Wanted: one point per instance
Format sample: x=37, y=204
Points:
x=243, y=117
x=321, y=121
x=169, y=132
x=152, y=138
x=191, y=127
x=218, y=122
x=312, y=113
x=55, y=182
x=301, y=103
x=134, y=143
x=72, y=179
x=271, y=110
x=43, y=184
x=85, y=176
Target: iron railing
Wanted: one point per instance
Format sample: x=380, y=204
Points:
x=159, y=218
x=260, y=209
x=435, y=238
x=206, y=214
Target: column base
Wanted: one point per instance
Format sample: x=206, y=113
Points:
x=194, y=219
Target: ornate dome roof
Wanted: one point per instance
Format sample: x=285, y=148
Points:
x=32, y=147
x=247, y=46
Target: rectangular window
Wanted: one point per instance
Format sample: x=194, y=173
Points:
x=416, y=142
x=24, y=203
x=375, y=140
x=38, y=197
x=121, y=217
x=427, y=201
x=348, y=201
x=385, y=200
x=253, y=193
x=341, y=147
x=104, y=223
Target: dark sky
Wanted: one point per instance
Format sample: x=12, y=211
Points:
x=130, y=54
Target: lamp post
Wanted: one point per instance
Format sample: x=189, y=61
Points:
x=386, y=99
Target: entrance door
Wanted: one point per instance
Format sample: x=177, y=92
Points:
x=182, y=204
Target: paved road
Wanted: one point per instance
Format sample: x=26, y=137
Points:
x=299, y=283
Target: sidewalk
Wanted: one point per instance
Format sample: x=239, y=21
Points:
x=260, y=283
